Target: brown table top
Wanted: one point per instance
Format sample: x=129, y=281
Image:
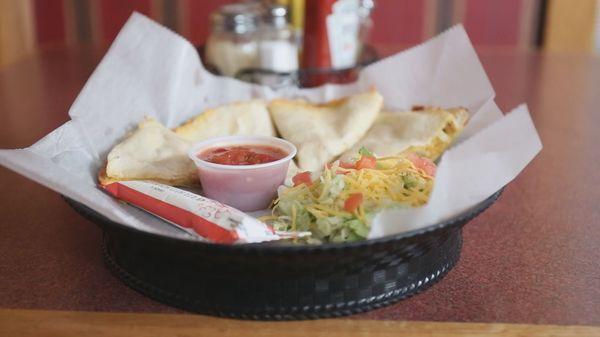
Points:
x=533, y=257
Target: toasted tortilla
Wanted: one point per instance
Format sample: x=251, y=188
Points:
x=323, y=132
x=427, y=131
x=152, y=152
x=240, y=118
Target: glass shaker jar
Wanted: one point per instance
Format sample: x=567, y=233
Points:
x=278, y=48
x=233, y=42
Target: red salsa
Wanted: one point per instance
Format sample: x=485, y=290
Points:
x=242, y=154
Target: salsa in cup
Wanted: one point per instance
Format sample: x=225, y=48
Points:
x=242, y=171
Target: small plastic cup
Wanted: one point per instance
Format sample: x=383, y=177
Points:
x=245, y=187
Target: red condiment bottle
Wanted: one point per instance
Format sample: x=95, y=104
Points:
x=316, y=52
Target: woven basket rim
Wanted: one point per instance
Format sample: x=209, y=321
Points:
x=460, y=219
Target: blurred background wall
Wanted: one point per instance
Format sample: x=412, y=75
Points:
x=568, y=25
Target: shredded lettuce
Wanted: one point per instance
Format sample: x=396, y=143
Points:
x=358, y=227
x=332, y=190
x=320, y=207
x=326, y=226
x=363, y=151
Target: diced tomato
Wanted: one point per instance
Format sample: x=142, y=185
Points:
x=242, y=155
x=366, y=162
x=302, y=178
x=353, y=201
x=422, y=163
x=346, y=165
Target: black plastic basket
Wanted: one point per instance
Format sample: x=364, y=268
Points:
x=281, y=282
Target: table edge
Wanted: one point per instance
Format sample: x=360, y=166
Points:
x=20, y=322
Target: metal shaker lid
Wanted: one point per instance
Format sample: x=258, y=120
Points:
x=276, y=15
x=239, y=18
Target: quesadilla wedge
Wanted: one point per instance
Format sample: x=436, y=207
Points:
x=151, y=152
x=426, y=131
x=240, y=118
x=323, y=132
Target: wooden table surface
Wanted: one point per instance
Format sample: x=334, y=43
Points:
x=532, y=258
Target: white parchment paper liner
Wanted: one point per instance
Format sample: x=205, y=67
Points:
x=151, y=71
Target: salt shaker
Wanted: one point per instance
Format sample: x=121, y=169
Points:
x=277, y=49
